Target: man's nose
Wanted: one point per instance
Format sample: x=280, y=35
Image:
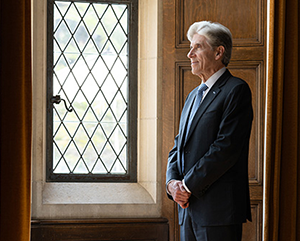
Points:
x=190, y=54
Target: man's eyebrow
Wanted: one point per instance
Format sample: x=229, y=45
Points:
x=196, y=45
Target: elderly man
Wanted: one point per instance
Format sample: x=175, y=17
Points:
x=207, y=173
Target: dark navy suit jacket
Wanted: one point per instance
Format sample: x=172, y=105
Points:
x=215, y=154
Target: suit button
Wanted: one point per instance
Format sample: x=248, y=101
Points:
x=184, y=174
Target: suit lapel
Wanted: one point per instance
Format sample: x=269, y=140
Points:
x=185, y=114
x=209, y=98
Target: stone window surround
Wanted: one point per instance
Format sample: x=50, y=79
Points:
x=103, y=200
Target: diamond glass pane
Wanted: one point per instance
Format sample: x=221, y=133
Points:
x=90, y=156
x=90, y=72
x=72, y=18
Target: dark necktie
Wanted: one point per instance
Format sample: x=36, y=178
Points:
x=196, y=105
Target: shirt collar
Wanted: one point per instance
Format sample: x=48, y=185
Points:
x=213, y=79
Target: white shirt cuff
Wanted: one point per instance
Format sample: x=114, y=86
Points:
x=186, y=188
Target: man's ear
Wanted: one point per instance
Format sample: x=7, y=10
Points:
x=220, y=52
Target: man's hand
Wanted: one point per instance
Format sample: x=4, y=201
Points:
x=179, y=194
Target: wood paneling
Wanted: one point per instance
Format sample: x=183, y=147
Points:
x=243, y=17
x=252, y=73
x=252, y=230
x=247, y=21
x=100, y=230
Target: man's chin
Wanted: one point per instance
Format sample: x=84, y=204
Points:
x=195, y=72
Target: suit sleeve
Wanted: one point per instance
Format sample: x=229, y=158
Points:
x=172, y=167
x=231, y=141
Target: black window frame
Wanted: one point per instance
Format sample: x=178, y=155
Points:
x=131, y=175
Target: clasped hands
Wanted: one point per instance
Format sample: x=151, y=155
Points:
x=179, y=193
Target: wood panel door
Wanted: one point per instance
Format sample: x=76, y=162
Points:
x=247, y=21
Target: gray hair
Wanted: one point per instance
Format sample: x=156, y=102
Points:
x=216, y=35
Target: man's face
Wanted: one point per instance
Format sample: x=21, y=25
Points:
x=203, y=57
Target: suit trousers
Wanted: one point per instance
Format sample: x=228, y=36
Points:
x=190, y=231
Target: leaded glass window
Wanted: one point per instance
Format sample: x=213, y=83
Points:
x=92, y=90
